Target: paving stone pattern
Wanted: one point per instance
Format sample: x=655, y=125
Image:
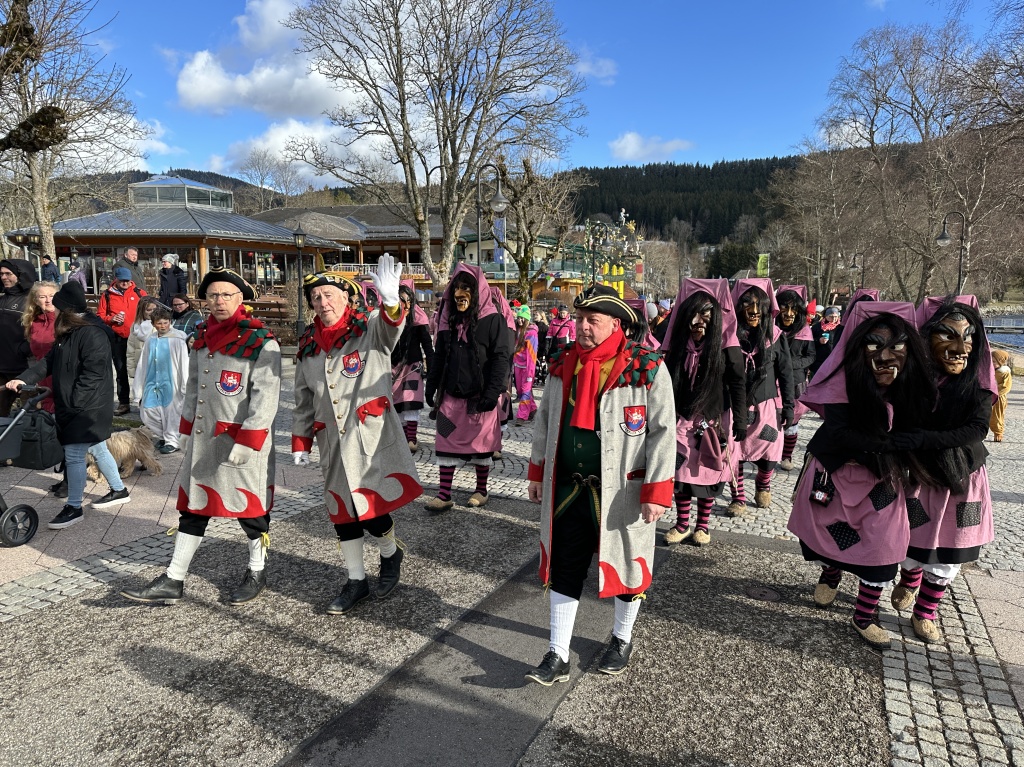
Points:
x=947, y=705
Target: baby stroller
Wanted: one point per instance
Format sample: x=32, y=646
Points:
x=29, y=439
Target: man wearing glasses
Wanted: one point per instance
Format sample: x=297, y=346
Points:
x=117, y=308
x=234, y=384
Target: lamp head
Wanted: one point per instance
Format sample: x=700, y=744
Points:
x=300, y=238
x=943, y=239
x=498, y=203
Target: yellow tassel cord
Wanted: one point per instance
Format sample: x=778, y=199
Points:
x=173, y=530
x=265, y=544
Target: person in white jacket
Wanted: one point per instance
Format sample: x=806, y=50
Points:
x=160, y=378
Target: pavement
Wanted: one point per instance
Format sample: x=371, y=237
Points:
x=734, y=665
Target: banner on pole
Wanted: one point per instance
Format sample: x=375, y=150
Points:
x=499, y=236
x=763, y=264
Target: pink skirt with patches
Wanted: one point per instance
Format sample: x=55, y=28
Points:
x=462, y=432
x=407, y=387
x=703, y=461
x=864, y=524
x=940, y=519
x=764, y=437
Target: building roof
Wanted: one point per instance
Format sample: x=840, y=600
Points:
x=353, y=223
x=176, y=181
x=181, y=221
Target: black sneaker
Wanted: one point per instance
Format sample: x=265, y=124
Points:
x=166, y=449
x=164, y=589
x=352, y=594
x=552, y=669
x=122, y=409
x=616, y=657
x=113, y=498
x=60, y=489
x=251, y=586
x=390, y=570
x=69, y=515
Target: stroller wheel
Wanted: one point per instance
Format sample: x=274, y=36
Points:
x=18, y=524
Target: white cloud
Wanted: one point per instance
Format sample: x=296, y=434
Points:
x=154, y=143
x=260, y=28
x=601, y=69
x=632, y=147
x=276, y=87
x=275, y=138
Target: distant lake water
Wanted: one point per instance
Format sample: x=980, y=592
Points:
x=1010, y=339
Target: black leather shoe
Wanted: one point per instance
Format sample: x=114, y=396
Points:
x=251, y=586
x=390, y=569
x=352, y=594
x=164, y=589
x=552, y=669
x=60, y=489
x=616, y=657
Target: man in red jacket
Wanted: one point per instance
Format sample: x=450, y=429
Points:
x=117, y=308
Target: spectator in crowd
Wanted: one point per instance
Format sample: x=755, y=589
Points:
x=561, y=331
x=160, y=378
x=1004, y=381
x=173, y=279
x=524, y=365
x=185, y=316
x=822, y=335
x=83, y=393
x=16, y=279
x=118, y=308
x=542, y=334
x=130, y=261
x=75, y=273
x=140, y=331
x=50, y=271
x=38, y=320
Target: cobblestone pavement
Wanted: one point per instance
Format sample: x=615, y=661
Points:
x=950, y=704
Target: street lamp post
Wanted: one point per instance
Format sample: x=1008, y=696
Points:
x=299, y=237
x=863, y=265
x=944, y=239
x=498, y=203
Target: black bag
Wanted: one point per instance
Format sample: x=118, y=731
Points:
x=39, y=446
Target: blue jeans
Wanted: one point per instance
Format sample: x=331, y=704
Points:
x=74, y=461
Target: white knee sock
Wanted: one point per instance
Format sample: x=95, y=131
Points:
x=185, y=546
x=352, y=551
x=257, y=554
x=625, y=617
x=563, y=617
x=386, y=544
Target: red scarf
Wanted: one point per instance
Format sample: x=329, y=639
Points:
x=588, y=380
x=327, y=337
x=219, y=334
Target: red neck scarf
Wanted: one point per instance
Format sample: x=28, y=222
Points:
x=588, y=381
x=219, y=334
x=326, y=337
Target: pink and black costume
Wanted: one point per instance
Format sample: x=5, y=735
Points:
x=411, y=353
x=472, y=361
x=524, y=365
x=769, y=377
x=801, y=357
x=710, y=395
x=561, y=332
x=950, y=516
x=849, y=508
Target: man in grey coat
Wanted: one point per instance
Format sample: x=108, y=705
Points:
x=602, y=468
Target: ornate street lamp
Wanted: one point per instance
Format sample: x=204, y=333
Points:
x=944, y=239
x=299, y=237
x=498, y=204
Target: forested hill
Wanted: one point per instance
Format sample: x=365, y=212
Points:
x=710, y=197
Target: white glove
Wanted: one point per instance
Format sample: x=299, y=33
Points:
x=183, y=441
x=239, y=455
x=301, y=457
x=387, y=279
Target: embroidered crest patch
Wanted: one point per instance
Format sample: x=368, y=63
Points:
x=635, y=422
x=352, y=365
x=230, y=383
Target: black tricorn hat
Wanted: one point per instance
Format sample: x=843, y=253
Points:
x=220, y=274
x=605, y=299
x=337, y=279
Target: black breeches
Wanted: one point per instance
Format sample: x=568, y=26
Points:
x=378, y=527
x=195, y=524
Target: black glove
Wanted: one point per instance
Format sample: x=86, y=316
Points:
x=486, y=405
x=787, y=417
x=430, y=392
x=739, y=433
x=907, y=440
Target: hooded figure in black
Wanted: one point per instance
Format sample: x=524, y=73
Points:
x=16, y=279
x=792, y=321
x=951, y=512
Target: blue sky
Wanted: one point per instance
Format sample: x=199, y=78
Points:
x=667, y=80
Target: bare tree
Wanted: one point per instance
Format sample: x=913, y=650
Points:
x=258, y=168
x=287, y=178
x=65, y=73
x=661, y=259
x=436, y=85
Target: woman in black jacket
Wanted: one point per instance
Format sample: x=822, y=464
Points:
x=83, y=395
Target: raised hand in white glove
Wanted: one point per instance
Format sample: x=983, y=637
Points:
x=183, y=441
x=239, y=455
x=301, y=457
x=388, y=279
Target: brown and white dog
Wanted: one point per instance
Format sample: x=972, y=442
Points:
x=127, y=447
